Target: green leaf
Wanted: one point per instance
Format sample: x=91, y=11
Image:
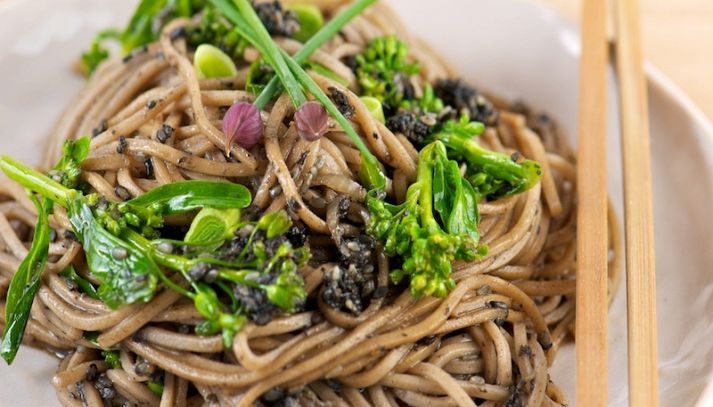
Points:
x=212, y=226
x=140, y=29
x=25, y=283
x=127, y=273
x=441, y=190
x=84, y=286
x=185, y=196
x=97, y=52
x=463, y=217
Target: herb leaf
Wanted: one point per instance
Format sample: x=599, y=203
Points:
x=84, y=286
x=463, y=216
x=185, y=196
x=127, y=273
x=25, y=283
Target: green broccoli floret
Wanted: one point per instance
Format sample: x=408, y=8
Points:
x=492, y=174
x=410, y=230
x=384, y=72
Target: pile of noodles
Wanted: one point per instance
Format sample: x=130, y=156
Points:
x=489, y=342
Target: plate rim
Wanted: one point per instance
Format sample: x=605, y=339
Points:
x=655, y=79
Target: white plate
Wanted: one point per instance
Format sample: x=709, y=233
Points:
x=510, y=47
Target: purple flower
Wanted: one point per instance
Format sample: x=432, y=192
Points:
x=312, y=120
x=242, y=124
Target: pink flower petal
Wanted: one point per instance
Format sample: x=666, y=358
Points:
x=311, y=120
x=242, y=124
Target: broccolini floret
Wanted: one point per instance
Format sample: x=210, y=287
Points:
x=435, y=225
x=492, y=174
x=384, y=71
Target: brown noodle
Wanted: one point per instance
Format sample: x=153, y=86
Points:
x=488, y=342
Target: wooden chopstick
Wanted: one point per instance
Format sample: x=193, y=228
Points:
x=638, y=213
x=592, y=246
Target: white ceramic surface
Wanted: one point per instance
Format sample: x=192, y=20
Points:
x=509, y=47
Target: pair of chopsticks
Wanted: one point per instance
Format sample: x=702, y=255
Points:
x=592, y=247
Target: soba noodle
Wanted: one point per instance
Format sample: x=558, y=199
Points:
x=489, y=342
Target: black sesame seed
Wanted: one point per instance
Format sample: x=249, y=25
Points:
x=122, y=193
x=198, y=271
x=177, y=33
x=151, y=104
x=515, y=156
x=69, y=235
x=105, y=387
x=497, y=304
x=165, y=247
x=342, y=102
x=427, y=340
x=91, y=373
x=293, y=205
x=122, y=145
x=100, y=129
x=211, y=276
x=148, y=168
x=335, y=385
x=380, y=292
x=301, y=160
x=544, y=339
x=164, y=133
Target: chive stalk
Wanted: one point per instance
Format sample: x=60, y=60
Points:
x=329, y=30
x=250, y=26
x=258, y=35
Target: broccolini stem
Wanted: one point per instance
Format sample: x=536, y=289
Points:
x=35, y=181
x=499, y=165
x=425, y=180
